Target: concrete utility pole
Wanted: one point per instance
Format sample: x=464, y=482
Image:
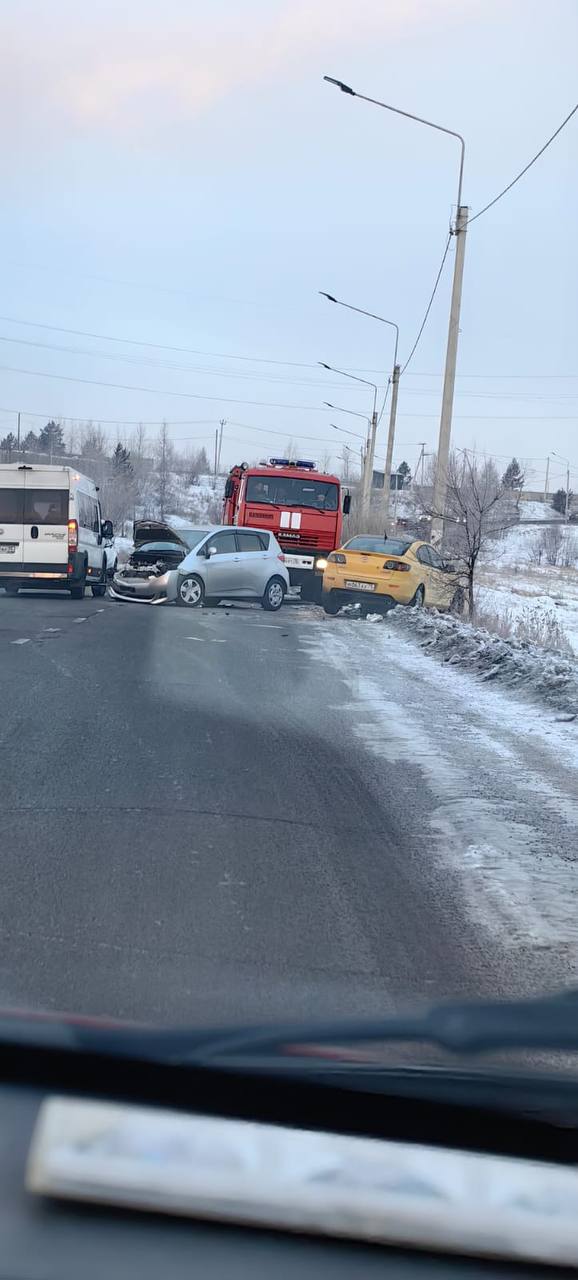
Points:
x=369, y=461
x=216, y=457
x=546, y=480
x=18, y=431
x=441, y=477
x=222, y=424
x=389, y=451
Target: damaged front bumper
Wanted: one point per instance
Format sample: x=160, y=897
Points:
x=143, y=589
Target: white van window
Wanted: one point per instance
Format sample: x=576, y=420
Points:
x=46, y=506
x=85, y=513
x=11, y=506
x=95, y=516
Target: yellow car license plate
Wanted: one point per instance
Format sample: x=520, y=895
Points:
x=360, y=586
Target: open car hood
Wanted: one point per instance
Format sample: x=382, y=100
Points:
x=155, y=531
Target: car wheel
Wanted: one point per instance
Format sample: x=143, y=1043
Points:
x=330, y=604
x=11, y=591
x=418, y=599
x=99, y=588
x=273, y=595
x=190, y=591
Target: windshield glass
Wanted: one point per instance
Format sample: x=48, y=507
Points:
x=288, y=579
x=192, y=537
x=293, y=491
x=383, y=546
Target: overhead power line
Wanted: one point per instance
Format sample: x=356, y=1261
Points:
x=161, y=391
x=526, y=167
x=157, y=346
x=429, y=305
x=221, y=355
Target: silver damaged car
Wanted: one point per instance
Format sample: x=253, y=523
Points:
x=192, y=566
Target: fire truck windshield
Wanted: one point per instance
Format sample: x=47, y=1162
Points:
x=292, y=491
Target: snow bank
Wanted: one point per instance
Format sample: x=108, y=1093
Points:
x=543, y=677
x=538, y=511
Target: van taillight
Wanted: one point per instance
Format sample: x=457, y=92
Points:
x=72, y=535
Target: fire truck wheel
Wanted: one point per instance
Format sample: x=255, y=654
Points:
x=311, y=589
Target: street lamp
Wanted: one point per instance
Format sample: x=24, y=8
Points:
x=346, y=432
x=394, y=380
x=567, y=502
x=459, y=230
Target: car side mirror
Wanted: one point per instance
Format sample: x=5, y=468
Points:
x=229, y=489
x=107, y=529
x=212, y=551
x=346, y=504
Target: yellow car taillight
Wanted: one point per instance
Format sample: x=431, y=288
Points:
x=396, y=564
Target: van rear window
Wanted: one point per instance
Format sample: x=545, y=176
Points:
x=46, y=506
x=11, y=506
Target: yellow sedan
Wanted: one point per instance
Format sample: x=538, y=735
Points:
x=379, y=573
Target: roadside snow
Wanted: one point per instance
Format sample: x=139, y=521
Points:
x=538, y=511
x=501, y=780
x=548, y=678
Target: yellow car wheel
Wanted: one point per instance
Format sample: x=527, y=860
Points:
x=330, y=603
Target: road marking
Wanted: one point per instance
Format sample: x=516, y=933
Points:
x=271, y=626
x=80, y=619
x=26, y=641
x=45, y=629
x=201, y=639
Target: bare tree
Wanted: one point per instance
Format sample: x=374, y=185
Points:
x=478, y=509
x=325, y=463
x=550, y=544
x=93, y=441
x=163, y=479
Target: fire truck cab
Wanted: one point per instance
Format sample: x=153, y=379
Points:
x=301, y=506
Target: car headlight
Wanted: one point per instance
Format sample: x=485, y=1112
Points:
x=321, y=564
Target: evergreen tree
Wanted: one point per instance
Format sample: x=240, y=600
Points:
x=559, y=501
x=8, y=446
x=31, y=443
x=513, y=477
x=121, y=463
x=51, y=439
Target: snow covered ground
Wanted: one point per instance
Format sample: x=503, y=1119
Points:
x=533, y=600
x=501, y=780
x=548, y=679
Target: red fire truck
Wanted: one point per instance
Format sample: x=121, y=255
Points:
x=302, y=507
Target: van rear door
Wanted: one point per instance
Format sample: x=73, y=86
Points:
x=46, y=503
x=11, y=520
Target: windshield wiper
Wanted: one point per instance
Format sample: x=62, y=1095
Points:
x=547, y=1023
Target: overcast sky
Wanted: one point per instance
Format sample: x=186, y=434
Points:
x=179, y=174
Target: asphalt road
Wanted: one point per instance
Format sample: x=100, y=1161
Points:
x=192, y=829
